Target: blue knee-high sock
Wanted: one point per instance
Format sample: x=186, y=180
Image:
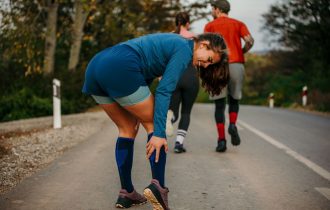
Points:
x=124, y=158
x=158, y=169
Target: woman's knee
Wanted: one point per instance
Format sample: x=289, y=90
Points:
x=148, y=126
x=130, y=130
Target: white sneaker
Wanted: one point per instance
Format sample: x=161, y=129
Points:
x=169, y=125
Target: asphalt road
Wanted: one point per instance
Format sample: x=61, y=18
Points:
x=282, y=163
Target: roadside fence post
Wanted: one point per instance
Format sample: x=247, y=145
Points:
x=57, y=103
x=304, y=95
x=271, y=100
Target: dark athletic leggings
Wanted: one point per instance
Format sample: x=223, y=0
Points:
x=220, y=105
x=185, y=93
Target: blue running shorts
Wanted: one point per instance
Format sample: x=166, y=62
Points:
x=115, y=74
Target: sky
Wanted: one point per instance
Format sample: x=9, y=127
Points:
x=249, y=12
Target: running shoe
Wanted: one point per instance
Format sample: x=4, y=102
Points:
x=126, y=200
x=178, y=148
x=157, y=195
x=169, y=124
x=221, y=147
x=235, y=139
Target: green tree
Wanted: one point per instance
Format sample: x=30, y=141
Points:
x=21, y=35
x=28, y=39
x=303, y=26
x=50, y=36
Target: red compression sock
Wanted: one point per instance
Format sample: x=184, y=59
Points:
x=221, y=131
x=233, y=117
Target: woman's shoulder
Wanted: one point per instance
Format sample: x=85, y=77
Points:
x=187, y=34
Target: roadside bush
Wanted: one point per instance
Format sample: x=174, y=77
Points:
x=24, y=104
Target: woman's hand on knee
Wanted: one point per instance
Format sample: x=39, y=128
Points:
x=156, y=143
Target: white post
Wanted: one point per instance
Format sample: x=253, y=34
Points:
x=57, y=104
x=271, y=100
x=304, y=96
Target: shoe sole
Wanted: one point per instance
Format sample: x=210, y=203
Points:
x=179, y=151
x=152, y=199
x=120, y=206
x=235, y=139
x=223, y=149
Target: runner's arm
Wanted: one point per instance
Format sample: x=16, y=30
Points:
x=249, y=41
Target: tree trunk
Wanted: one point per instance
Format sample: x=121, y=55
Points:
x=50, y=44
x=77, y=34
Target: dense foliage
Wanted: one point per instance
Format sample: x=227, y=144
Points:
x=25, y=89
x=299, y=30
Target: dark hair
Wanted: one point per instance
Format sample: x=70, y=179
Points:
x=215, y=76
x=222, y=5
x=181, y=19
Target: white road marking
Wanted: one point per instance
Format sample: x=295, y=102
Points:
x=318, y=169
x=324, y=191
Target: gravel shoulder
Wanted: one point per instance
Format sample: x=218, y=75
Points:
x=26, y=146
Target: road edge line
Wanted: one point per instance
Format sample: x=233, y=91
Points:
x=316, y=168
